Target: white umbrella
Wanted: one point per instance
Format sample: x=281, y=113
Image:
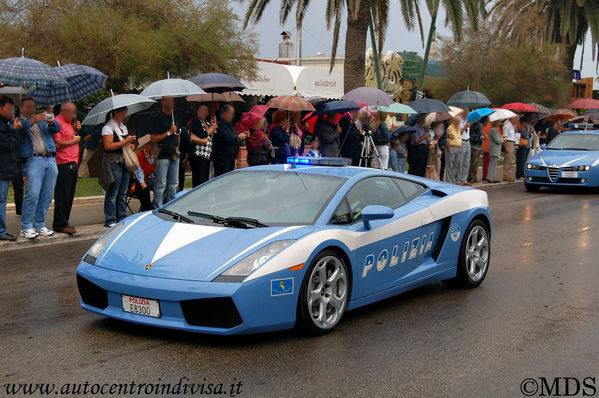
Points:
x=133, y=102
x=442, y=116
x=501, y=114
x=172, y=88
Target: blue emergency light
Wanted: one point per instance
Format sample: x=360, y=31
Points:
x=311, y=161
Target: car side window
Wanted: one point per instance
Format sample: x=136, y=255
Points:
x=409, y=189
x=342, y=214
x=374, y=191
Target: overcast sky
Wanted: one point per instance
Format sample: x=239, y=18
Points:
x=316, y=37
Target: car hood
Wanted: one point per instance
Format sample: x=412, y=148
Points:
x=566, y=158
x=185, y=251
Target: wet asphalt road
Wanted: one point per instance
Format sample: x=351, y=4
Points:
x=536, y=314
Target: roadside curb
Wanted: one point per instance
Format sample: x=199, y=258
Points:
x=84, y=232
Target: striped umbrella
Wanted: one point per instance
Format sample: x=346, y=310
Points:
x=23, y=71
x=82, y=80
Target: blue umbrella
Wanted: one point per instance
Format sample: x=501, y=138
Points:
x=478, y=114
x=23, y=71
x=340, y=106
x=81, y=80
x=217, y=82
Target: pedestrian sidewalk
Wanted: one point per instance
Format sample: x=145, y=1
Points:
x=84, y=232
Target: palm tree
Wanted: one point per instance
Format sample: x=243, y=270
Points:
x=563, y=22
x=358, y=16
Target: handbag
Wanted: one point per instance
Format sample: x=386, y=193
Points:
x=129, y=157
x=523, y=142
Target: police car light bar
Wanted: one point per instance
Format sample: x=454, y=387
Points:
x=583, y=126
x=311, y=161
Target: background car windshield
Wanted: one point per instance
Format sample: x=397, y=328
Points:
x=273, y=198
x=583, y=142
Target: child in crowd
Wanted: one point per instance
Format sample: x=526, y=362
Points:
x=433, y=166
x=398, y=152
x=314, y=145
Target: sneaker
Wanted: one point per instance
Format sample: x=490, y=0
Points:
x=112, y=224
x=44, y=231
x=29, y=233
x=8, y=237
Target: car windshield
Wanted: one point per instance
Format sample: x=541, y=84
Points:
x=269, y=197
x=579, y=142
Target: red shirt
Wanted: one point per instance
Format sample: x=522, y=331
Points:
x=66, y=133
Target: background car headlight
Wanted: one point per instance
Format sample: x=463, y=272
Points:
x=244, y=267
x=585, y=168
x=96, y=249
x=531, y=166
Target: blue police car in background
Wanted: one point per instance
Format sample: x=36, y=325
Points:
x=570, y=160
x=270, y=247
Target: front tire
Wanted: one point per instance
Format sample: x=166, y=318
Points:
x=532, y=188
x=475, y=255
x=324, y=293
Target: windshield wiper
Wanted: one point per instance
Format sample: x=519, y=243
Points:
x=576, y=149
x=176, y=216
x=235, y=222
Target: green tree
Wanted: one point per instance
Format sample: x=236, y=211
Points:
x=358, y=15
x=566, y=23
x=501, y=69
x=133, y=42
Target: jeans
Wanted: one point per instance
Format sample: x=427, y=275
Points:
x=166, y=181
x=383, y=151
x=401, y=167
x=521, y=156
x=115, y=201
x=464, y=162
x=473, y=168
x=452, y=164
x=64, y=193
x=3, y=195
x=41, y=174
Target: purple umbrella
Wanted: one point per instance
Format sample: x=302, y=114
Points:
x=369, y=96
x=217, y=82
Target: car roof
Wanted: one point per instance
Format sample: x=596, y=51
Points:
x=581, y=132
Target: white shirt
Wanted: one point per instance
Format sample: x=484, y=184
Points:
x=466, y=133
x=107, y=130
x=509, y=133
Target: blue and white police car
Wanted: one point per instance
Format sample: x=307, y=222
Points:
x=570, y=160
x=270, y=247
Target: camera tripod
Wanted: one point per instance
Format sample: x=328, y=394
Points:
x=365, y=154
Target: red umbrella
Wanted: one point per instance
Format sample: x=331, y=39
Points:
x=519, y=107
x=562, y=114
x=584, y=103
x=249, y=119
x=291, y=103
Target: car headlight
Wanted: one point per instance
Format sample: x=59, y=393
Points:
x=96, y=249
x=583, y=168
x=244, y=267
x=531, y=166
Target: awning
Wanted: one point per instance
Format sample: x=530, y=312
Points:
x=277, y=79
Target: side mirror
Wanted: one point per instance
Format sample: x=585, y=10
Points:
x=375, y=212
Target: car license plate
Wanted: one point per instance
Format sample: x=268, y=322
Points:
x=570, y=174
x=141, y=306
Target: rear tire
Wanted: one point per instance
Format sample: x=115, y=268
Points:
x=475, y=255
x=324, y=293
x=532, y=188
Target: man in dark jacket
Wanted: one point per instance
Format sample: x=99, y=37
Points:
x=351, y=137
x=329, y=137
x=226, y=141
x=10, y=141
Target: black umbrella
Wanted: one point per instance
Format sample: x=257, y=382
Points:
x=341, y=106
x=217, y=82
x=428, y=105
x=469, y=99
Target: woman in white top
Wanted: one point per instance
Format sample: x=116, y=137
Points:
x=115, y=176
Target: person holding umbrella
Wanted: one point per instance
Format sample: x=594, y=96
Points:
x=10, y=140
x=509, y=142
x=419, y=140
x=115, y=176
x=476, y=141
x=351, y=137
x=280, y=136
x=166, y=132
x=226, y=142
x=329, y=136
x=39, y=166
x=523, y=147
x=257, y=144
x=201, y=136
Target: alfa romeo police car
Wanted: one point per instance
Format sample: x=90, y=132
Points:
x=270, y=247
